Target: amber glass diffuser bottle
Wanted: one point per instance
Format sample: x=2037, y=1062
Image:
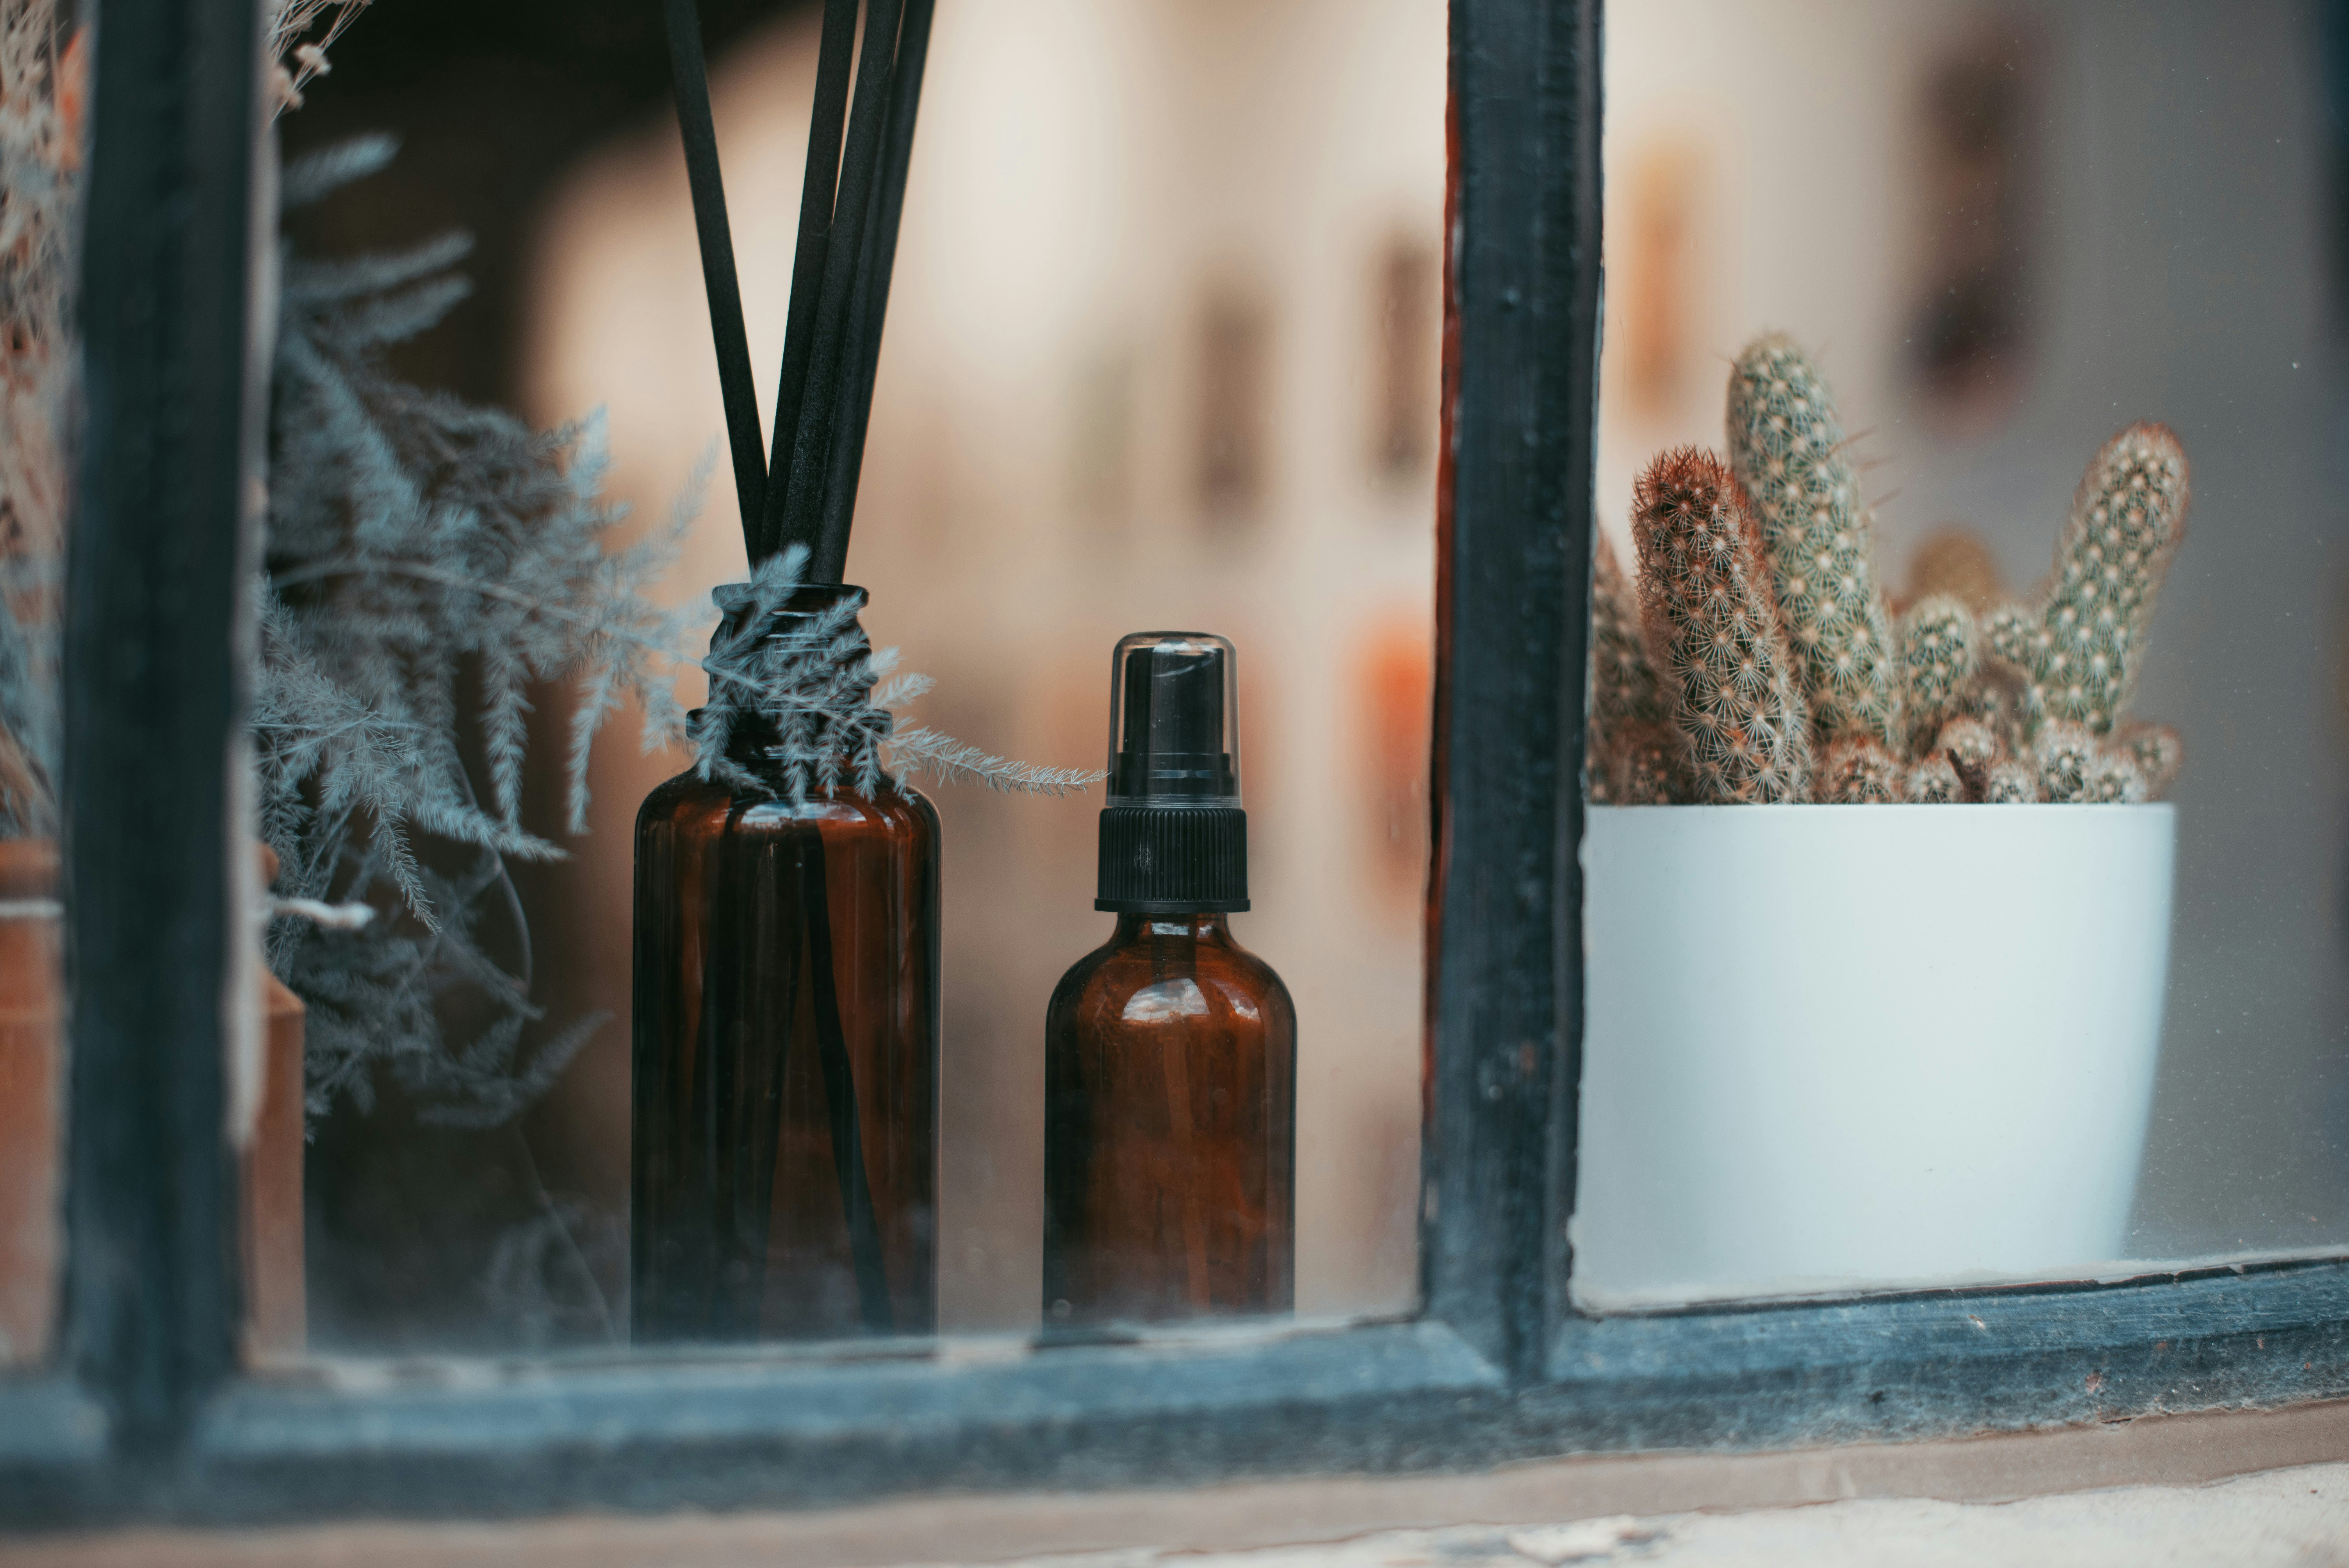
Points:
x=786, y=1050
x=784, y=1181
x=1170, y=1067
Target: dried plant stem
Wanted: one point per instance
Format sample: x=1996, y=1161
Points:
x=298, y=59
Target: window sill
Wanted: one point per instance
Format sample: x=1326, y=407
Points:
x=1377, y=1399
x=2174, y=1451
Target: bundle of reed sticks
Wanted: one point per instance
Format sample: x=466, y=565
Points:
x=850, y=204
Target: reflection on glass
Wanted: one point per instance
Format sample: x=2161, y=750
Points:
x=1833, y=1048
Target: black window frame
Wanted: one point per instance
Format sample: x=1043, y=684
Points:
x=147, y=1414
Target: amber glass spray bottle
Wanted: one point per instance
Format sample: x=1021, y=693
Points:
x=1170, y=1056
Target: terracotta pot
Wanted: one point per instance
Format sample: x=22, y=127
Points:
x=276, y=1311
x=31, y=1090
x=32, y=1095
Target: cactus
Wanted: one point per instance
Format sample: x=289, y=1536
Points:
x=2157, y=753
x=2080, y=648
x=1971, y=743
x=2013, y=643
x=1762, y=664
x=1647, y=766
x=1996, y=694
x=2114, y=780
x=1938, y=658
x=2010, y=782
x=1627, y=696
x=1860, y=771
x=2007, y=632
x=1970, y=746
x=1935, y=781
x=1786, y=447
x=2062, y=757
x=1705, y=594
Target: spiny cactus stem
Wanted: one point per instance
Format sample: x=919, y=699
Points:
x=1709, y=614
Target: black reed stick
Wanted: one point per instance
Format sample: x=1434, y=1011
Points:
x=737, y=1264
x=837, y=48
x=773, y=993
x=707, y=1310
x=690, y=75
x=840, y=1097
x=803, y=494
x=870, y=304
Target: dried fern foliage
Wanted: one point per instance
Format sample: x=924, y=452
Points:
x=428, y=563
x=823, y=697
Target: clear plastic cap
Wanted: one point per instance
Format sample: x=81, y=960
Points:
x=1174, y=721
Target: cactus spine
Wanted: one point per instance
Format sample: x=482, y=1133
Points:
x=1705, y=593
x=1786, y=445
x=2079, y=649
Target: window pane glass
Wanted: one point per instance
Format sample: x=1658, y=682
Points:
x=1836, y=1046
x=44, y=61
x=1162, y=352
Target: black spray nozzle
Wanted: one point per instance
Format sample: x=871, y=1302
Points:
x=1172, y=736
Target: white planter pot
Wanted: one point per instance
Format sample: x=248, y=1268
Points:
x=1837, y=1046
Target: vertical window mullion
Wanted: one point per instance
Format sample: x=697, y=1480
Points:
x=1515, y=494
x=153, y=695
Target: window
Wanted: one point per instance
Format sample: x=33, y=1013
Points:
x=1989, y=285
x=150, y=1411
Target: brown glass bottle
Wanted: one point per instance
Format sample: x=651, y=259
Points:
x=786, y=1058
x=1170, y=1056
x=1170, y=1094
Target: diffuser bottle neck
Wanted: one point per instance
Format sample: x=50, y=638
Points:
x=741, y=617
x=821, y=655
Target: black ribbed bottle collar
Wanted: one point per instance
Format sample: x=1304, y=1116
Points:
x=1173, y=860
